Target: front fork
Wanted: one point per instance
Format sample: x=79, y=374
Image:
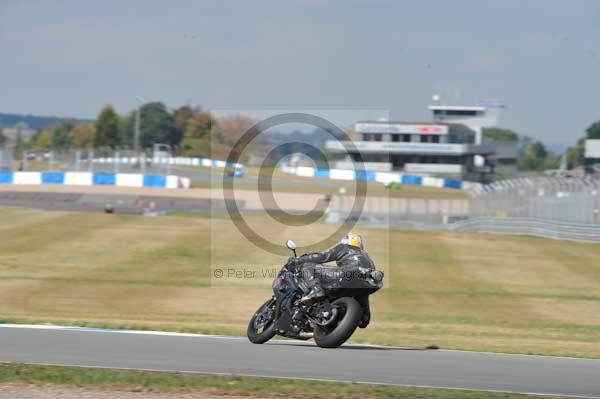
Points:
x=363, y=301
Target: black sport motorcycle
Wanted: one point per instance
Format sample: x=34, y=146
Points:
x=330, y=320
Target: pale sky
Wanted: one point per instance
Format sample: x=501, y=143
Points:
x=69, y=58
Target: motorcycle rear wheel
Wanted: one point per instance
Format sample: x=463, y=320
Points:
x=261, y=330
x=349, y=314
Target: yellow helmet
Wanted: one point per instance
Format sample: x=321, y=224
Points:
x=353, y=239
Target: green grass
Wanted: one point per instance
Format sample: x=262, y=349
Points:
x=451, y=290
x=224, y=385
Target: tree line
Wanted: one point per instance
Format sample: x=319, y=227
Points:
x=533, y=154
x=575, y=154
x=188, y=130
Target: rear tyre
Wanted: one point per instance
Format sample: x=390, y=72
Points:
x=261, y=327
x=348, y=317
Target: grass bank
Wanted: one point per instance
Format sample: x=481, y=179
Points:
x=452, y=290
x=172, y=383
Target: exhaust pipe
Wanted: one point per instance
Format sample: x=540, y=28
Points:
x=306, y=335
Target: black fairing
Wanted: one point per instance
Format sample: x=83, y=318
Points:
x=336, y=282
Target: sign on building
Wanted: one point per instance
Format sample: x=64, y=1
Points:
x=400, y=128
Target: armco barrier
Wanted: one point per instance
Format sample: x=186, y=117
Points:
x=94, y=179
x=381, y=177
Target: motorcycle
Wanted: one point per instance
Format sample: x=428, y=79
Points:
x=330, y=320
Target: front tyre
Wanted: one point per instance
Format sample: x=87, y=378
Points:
x=261, y=327
x=347, y=319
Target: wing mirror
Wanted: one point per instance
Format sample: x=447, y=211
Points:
x=292, y=246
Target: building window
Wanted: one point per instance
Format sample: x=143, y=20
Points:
x=395, y=138
x=435, y=138
x=462, y=113
x=423, y=139
x=455, y=112
x=378, y=137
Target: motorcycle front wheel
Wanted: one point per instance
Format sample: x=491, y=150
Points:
x=261, y=327
x=338, y=332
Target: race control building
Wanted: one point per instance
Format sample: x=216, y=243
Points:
x=451, y=144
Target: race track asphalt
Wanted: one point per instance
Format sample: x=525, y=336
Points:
x=296, y=359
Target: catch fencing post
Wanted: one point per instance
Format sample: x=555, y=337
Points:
x=77, y=159
x=116, y=161
x=91, y=160
x=24, y=161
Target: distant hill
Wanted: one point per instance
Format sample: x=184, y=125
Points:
x=35, y=122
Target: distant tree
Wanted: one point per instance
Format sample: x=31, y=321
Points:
x=575, y=154
x=182, y=115
x=61, y=136
x=593, y=131
x=3, y=138
x=157, y=125
x=197, y=132
x=199, y=125
x=526, y=140
x=83, y=135
x=19, y=142
x=196, y=147
x=532, y=156
x=498, y=134
x=107, y=128
x=125, y=134
x=232, y=127
x=227, y=132
x=551, y=161
x=42, y=140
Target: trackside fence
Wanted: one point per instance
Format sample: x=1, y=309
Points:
x=559, y=199
x=552, y=207
x=530, y=227
x=103, y=160
x=383, y=211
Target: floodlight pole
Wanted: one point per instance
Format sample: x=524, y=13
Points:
x=136, y=132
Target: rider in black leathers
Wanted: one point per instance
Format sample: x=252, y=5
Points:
x=348, y=255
